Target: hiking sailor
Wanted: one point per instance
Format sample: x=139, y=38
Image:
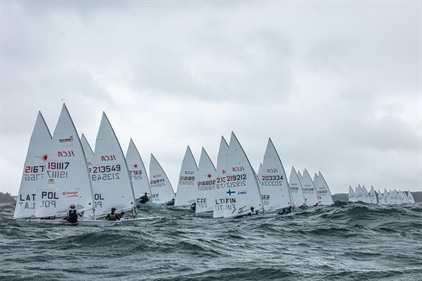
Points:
x=72, y=215
x=113, y=216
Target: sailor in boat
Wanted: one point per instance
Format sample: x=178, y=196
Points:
x=72, y=215
x=170, y=203
x=113, y=216
x=253, y=212
x=144, y=198
x=286, y=210
x=193, y=206
x=303, y=207
x=246, y=214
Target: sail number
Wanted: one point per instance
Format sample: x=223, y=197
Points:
x=186, y=180
x=57, y=165
x=36, y=173
x=231, y=178
x=157, y=183
x=105, y=169
x=34, y=169
x=104, y=177
x=135, y=174
x=206, y=185
x=272, y=178
x=34, y=177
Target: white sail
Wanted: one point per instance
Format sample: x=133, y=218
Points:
x=205, y=184
x=387, y=197
x=365, y=194
x=34, y=169
x=402, y=198
x=372, y=196
x=299, y=175
x=241, y=182
x=308, y=188
x=274, y=187
x=381, y=199
x=359, y=194
x=186, y=187
x=66, y=179
x=109, y=174
x=352, y=195
x=296, y=189
x=410, y=197
x=89, y=154
x=394, y=197
x=161, y=189
x=220, y=200
x=324, y=196
x=137, y=171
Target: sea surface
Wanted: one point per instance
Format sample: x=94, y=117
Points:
x=346, y=241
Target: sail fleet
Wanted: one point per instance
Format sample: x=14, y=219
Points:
x=62, y=169
x=391, y=197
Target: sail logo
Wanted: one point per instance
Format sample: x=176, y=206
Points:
x=272, y=170
x=241, y=192
x=69, y=139
x=238, y=169
x=44, y=157
x=108, y=157
x=189, y=173
x=64, y=153
x=70, y=193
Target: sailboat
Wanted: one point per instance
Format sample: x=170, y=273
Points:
x=205, y=185
x=323, y=191
x=241, y=183
x=387, y=199
x=66, y=179
x=402, y=198
x=359, y=194
x=161, y=189
x=352, y=194
x=274, y=187
x=295, y=187
x=34, y=169
x=186, y=187
x=394, y=197
x=372, y=196
x=381, y=198
x=410, y=197
x=111, y=183
x=220, y=200
x=365, y=195
x=137, y=172
x=308, y=188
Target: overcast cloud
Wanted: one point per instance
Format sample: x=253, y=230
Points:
x=336, y=85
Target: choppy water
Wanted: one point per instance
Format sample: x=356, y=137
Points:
x=341, y=242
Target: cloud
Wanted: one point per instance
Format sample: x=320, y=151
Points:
x=335, y=85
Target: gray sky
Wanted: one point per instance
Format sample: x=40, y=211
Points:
x=336, y=85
